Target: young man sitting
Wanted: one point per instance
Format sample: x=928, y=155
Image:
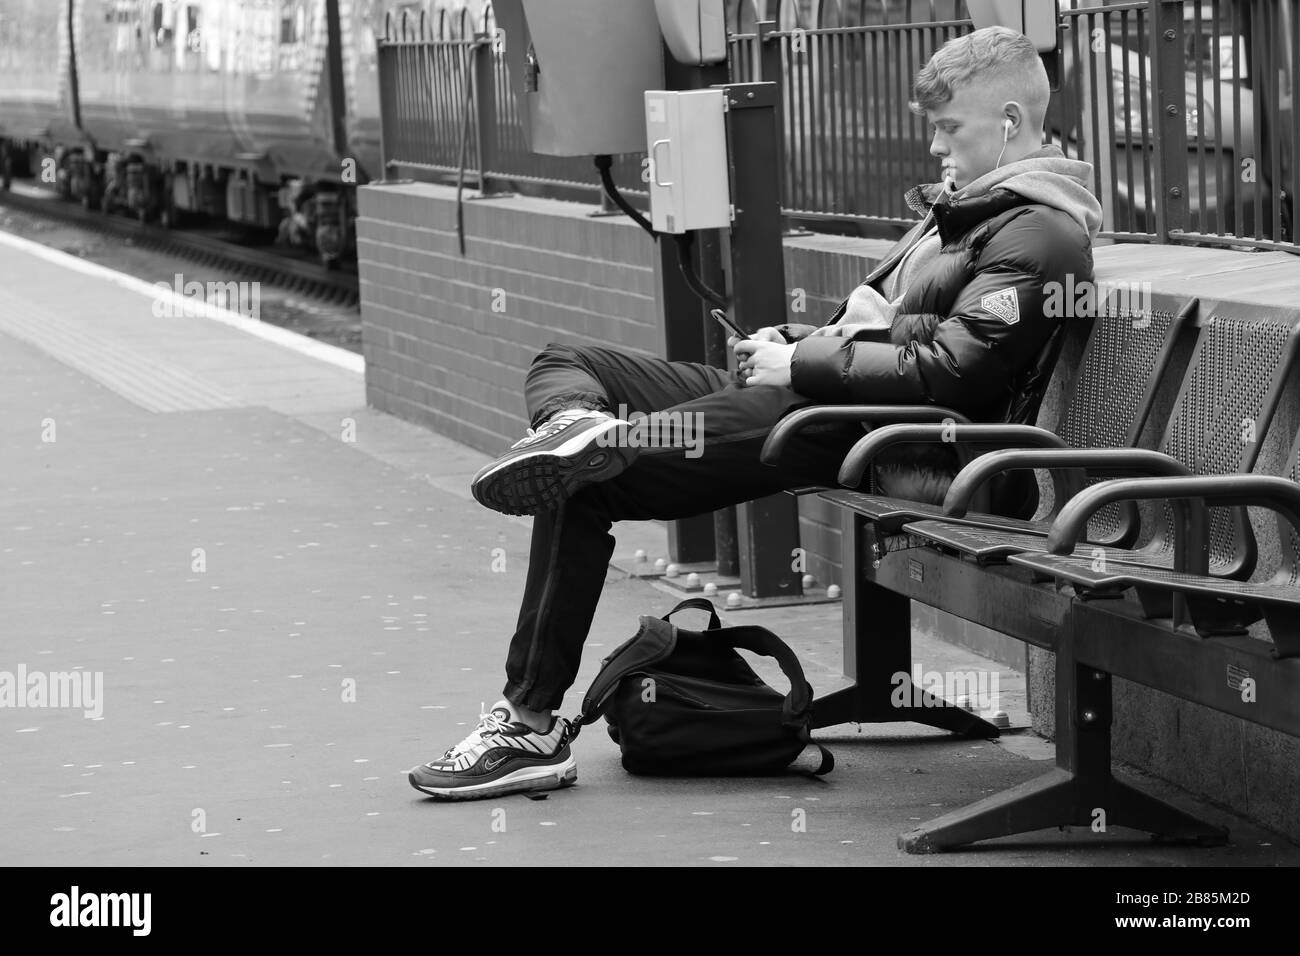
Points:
x=953, y=316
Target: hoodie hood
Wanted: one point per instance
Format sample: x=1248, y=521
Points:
x=1046, y=177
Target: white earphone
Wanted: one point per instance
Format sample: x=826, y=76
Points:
x=1006, y=135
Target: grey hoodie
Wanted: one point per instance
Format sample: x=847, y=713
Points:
x=1047, y=177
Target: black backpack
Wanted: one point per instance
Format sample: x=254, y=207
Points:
x=684, y=703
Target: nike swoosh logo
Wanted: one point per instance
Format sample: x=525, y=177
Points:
x=491, y=765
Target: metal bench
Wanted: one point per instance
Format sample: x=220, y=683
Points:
x=1146, y=641
x=1237, y=371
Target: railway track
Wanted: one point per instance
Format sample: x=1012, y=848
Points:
x=215, y=248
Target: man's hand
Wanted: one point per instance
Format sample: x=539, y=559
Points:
x=767, y=334
x=763, y=363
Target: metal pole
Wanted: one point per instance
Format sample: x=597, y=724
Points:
x=709, y=249
x=485, y=126
x=1171, y=128
x=768, y=529
x=687, y=328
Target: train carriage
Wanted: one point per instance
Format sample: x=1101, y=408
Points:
x=220, y=103
x=262, y=112
x=34, y=79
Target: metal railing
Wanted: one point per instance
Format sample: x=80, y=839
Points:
x=444, y=91
x=1185, y=110
x=853, y=146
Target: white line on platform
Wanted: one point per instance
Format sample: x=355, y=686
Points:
x=302, y=344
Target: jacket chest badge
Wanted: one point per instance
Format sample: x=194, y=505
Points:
x=1005, y=304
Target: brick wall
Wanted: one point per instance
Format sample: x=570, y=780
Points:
x=447, y=339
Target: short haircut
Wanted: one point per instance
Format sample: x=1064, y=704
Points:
x=994, y=56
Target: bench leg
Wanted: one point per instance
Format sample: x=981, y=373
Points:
x=1060, y=799
x=877, y=649
x=1140, y=811
x=1033, y=805
x=1080, y=791
x=855, y=705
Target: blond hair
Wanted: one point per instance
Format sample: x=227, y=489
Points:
x=996, y=57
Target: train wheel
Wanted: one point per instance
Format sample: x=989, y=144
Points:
x=169, y=217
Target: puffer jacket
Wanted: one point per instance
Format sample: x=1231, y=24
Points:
x=969, y=332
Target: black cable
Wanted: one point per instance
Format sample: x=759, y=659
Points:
x=684, y=244
x=603, y=163
x=471, y=54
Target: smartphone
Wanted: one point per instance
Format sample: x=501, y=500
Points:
x=727, y=324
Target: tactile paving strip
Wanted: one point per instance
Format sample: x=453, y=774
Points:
x=141, y=379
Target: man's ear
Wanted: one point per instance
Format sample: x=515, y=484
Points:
x=1013, y=118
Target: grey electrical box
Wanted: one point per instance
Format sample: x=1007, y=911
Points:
x=686, y=141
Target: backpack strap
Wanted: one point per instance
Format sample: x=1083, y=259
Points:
x=699, y=604
x=761, y=641
x=826, y=758
x=653, y=641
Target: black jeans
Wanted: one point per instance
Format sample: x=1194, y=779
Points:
x=716, y=467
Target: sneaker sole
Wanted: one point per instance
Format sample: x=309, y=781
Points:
x=524, y=780
x=534, y=482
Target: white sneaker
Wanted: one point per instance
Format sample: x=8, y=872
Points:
x=501, y=755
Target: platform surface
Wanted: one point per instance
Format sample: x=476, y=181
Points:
x=203, y=532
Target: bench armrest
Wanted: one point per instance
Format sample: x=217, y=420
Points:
x=1093, y=460
x=859, y=459
x=1279, y=495
x=796, y=421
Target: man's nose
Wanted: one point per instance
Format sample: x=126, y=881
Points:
x=938, y=147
